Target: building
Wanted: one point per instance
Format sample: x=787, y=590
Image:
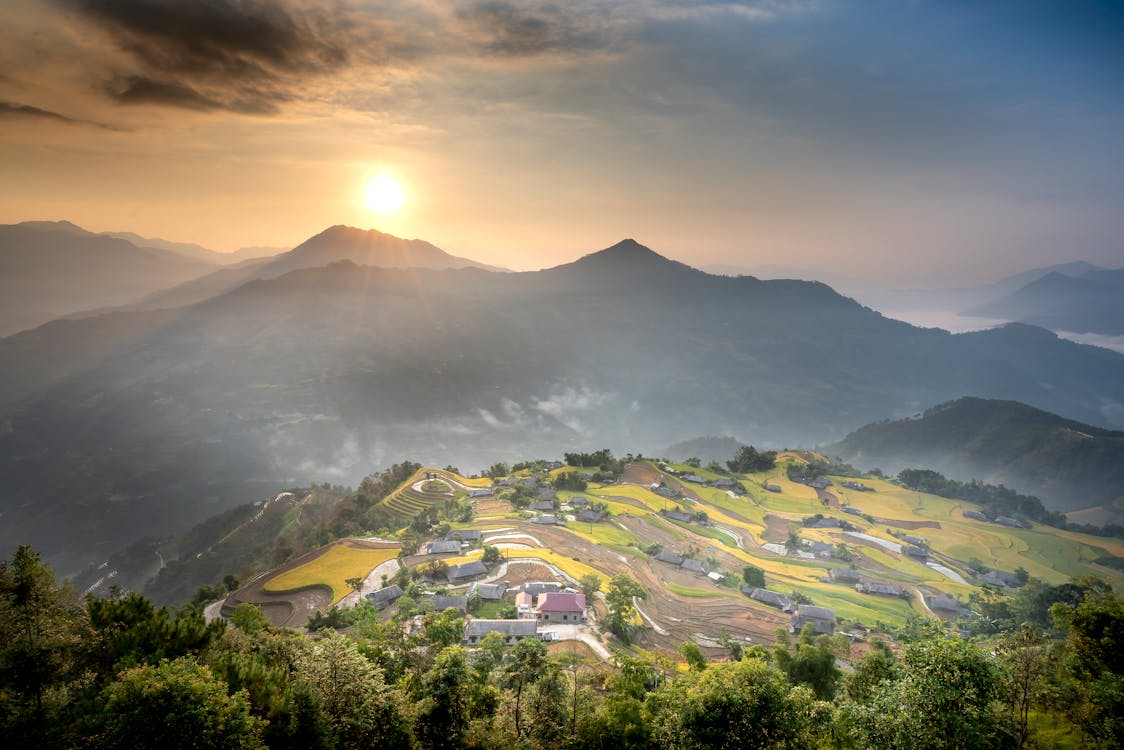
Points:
x=724, y=484
x=828, y=523
x=488, y=591
x=852, y=510
x=914, y=551
x=544, y=506
x=677, y=515
x=915, y=540
x=772, y=487
x=693, y=478
x=534, y=588
x=465, y=572
x=548, y=521
x=943, y=603
x=666, y=556
x=442, y=602
x=443, y=547
x=771, y=598
x=715, y=576
x=512, y=630
x=975, y=514
x=821, y=549
x=589, y=516
x=384, y=597
x=845, y=575
x=466, y=535
x=698, y=567
x=480, y=492
x=879, y=589
x=821, y=618
x=1012, y=522
x=999, y=578
x=667, y=492
x=578, y=500
x=561, y=606
x=525, y=605
x=856, y=486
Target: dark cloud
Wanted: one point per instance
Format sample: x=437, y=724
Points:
x=239, y=55
x=510, y=30
x=9, y=109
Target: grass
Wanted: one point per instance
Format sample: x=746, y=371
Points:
x=697, y=593
x=331, y=569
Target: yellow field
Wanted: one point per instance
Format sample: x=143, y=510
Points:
x=331, y=569
x=571, y=567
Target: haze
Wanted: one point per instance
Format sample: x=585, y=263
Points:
x=909, y=142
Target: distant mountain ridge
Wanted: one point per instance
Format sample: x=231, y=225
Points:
x=1092, y=302
x=1067, y=464
x=52, y=269
x=145, y=422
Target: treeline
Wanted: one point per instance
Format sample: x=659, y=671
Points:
x=117, y=672
x=997, y=500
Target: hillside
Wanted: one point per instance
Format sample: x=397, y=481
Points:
x=147, y=422
x=1090, y=303
x=52, y=269
x=1067, y=464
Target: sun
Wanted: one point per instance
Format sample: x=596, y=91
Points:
x=384, y=195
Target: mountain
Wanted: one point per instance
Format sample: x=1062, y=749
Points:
x=706, y=449
x=339, y=243
x=52, y=269
x=145, y=422
x=1090, y=303
x=186, y=249
x=1067, y=464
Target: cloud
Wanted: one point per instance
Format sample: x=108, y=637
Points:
x=10, y=109
x=239, y=55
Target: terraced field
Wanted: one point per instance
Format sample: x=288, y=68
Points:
x=413, y=496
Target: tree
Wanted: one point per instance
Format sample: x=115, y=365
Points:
x=525, y=666
x=693, y=655
x=622, y=590
x=946, y=698
x=811, y=663
x=590, y=584
x=1022, y=654
x=736, y=705
x=441, y=714
x=41, y=626
x=748, y=459
x=876, y=666
x=355, y=584
x=177, y=704
x=753, y=576
x=492, y=555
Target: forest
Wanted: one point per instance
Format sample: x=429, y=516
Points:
x=118, y=672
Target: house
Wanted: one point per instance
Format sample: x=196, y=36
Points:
x=677, y=515
x=547, y=493
x=480, y=492
x=552, y=465
x=548, y=521
x=694, y=479
x=851, y=510
x=670, y=558
x=772, y=487
x=466, y=535
x=544, y=506
x=529, y=483
x=442, y=602
x=384, y=597
x=724, y=484
x=465, y=572
x=828, y=523
x=975, y=514
x=534, y=588
x=771, y=598
x=561, y=606
x=715, y=576
x=667, y=492
x=915, y=540
x=819, y=483
x=821, y=618
x=589, y=516
x=508, y=482
x=945, y=603
x=999, y=578
x=697, y=567
x=443, y=547
x=914, y=551
x=856, y=486
x=878, y=589
x=579, y=500
x=820, y=549
x=525, y=605
x=1008, y=521
x=488, y=591
x=511, y=630
x=845, y=575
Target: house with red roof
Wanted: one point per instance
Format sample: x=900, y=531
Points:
x=561, y=606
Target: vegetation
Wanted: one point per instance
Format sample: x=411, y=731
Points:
x=118, y=672
x=334, y=569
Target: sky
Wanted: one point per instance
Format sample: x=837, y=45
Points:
x=895, y=141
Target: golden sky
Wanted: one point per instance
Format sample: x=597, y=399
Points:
x=899, y=141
